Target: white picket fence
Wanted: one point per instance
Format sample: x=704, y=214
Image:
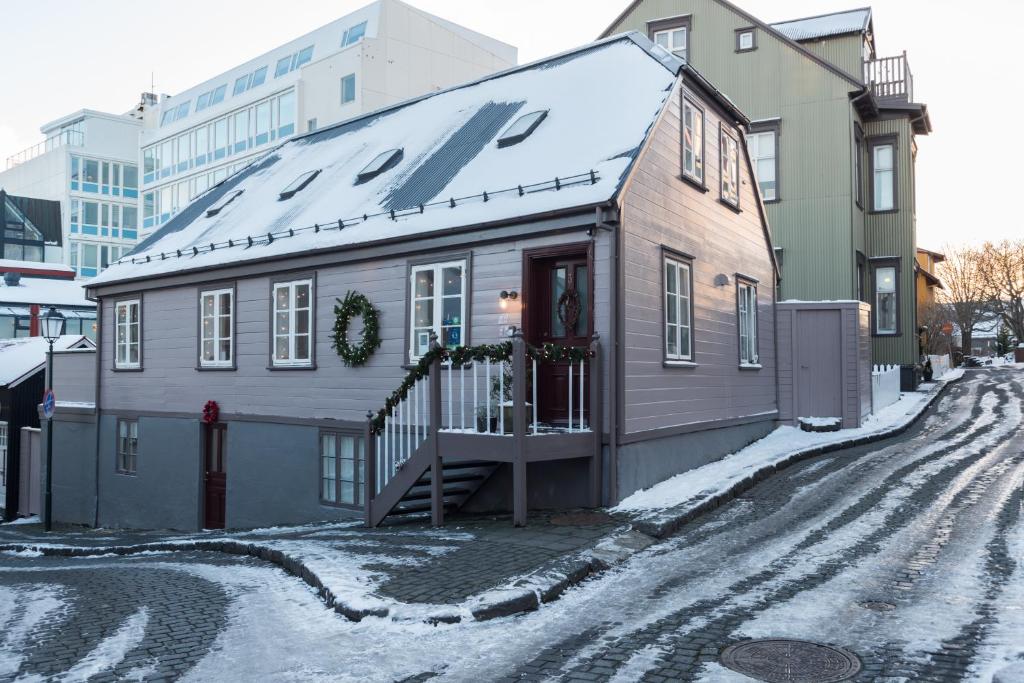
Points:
x=885, y=386
x=940, y=365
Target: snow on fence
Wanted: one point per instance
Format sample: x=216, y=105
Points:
x=885, y=386
x=940, y=365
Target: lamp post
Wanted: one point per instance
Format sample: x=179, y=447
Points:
x=53, y=326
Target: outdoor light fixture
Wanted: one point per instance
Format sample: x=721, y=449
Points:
x=721, y=280
x=507, y=296
x=53, y=325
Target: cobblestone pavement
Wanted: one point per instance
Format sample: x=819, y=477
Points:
x=901, y=552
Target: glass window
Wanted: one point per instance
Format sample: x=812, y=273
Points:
x=298, y=184
x=348, y=89
x=293, y=313
x=90, y=213
x=438, y=305
x=283, y=66
x=262, y=123
x=184, y=152
x=129, y=217
x=693, y=141
x=678, y=326
x=218, y=94
x=216, y=310
x=75, y=166
x=167, y=116
x=354, y=34
x=885, y=300
x=203, y=101
x=745, y=40
x=258, y=77
x=202, y=144
x=242, y=130
x=167, y=156
x=730, y=169
x=303, y=56
x=127, y=446
x=241, y=85
x=762, y=147
x=747, y=307
x=673, y=40
x=91, y=171
x=220, y=139
x=521, y=128
x=149, y=162
x=883, y=189
x=130, y=176
x=379, y=164
x=858, y=169
x=127, y=335
x=341, y=469
x=286, y=114
x=75, y=211
x=182, y=111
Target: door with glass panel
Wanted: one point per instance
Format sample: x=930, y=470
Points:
x=216, y=477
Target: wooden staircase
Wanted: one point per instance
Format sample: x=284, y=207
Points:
x=460, y=480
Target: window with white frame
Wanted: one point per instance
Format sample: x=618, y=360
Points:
x=746, y=40
x=128, y=334
x=673, y=39
x=3, y=454
x=746, y=293
x=730, y=169
x=763, y=148
x=216, y=342
x=885, y=300
x=678, y=323
x=127, y=446
x=437, y=294
x=293, y=317
x=341, y=469
x=883, y=171
x=693, y=141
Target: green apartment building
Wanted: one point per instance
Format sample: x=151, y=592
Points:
x=832, y=137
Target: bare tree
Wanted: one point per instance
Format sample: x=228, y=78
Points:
x=1002, y=269
x=965, y=292
x=932, y=318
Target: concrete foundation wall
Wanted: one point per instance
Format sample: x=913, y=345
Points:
x=74, y=471
x=556, y=485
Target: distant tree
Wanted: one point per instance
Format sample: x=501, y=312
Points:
x=965, y=290
x=932, y=319
x=1004, y=341
x=1002, y=271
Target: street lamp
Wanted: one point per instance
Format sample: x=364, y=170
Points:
x=53, y=326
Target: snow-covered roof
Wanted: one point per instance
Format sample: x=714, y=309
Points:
x=45, y=292
x=7, y=264
x=825, y=25
x=25, y=356
x=601, y=101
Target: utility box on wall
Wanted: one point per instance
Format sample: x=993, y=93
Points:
x=824, y=350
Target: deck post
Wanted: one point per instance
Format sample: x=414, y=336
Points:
x=596, y=422
x=369, y=469
x=519, y=380
x=436, y=470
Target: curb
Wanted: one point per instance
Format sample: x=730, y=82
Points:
x=524, y=595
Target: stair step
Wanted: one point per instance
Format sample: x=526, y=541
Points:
x=450, y=478
x=425, y=495
x=465, y=464
x=420, y=507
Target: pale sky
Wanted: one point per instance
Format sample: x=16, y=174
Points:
x=58, y=56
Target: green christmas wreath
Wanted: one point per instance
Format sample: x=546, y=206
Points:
x=355, y=304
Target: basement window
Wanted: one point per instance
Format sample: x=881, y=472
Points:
x=298, y=184
x=382, y=162
x=522, y=128
x=223, y=202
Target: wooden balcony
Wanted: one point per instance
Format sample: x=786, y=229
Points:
x=890, y=79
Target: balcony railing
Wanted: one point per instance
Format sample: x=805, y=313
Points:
x=73, y=138
x=890, y=78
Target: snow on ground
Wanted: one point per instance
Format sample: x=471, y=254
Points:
x=111, y=650
x=23, y=520
x=21, y=612
x=712, y=479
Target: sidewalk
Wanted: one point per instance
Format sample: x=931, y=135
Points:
x=481, y=567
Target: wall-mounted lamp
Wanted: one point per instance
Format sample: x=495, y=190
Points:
x=507, y=296
x=721, y=280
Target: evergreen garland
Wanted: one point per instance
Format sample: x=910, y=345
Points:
x=355, y=304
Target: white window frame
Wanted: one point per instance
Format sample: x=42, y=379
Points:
x=121, y=360
x=679, y=51
x=754, y=149
x=291, y=334
x=746, y=308
x=740, y=47
x=695, y=142
x=216, y=338
x=729, y=156
x=332, y=481
x=683, y=273
x=895, y=301
x=437, y=299
x=882, y=177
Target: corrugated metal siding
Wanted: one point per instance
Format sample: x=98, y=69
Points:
x=812, y=223
x=660, y=209
x=895, y=234
x=846, y=52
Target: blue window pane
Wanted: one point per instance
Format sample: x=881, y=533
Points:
x=130, y=234
x=303, y=56
x=182, y=110
x=74, y=227
x=133, y=194
x=285, y=131
x=218, y=94
x=348, y=89
x=74, y=185
x=354, y=34
x=258, y=77
x=90, y=187
x=167, y=116
x=241, y=85
x=88, y=229
x=283, y=65
x=202, y=101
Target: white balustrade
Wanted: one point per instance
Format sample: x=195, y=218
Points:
x=885, y=386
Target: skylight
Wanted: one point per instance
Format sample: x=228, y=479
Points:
x=222, y=202
x=298, y=184
x=380, y=163
x=354, y=34
x=521, y=128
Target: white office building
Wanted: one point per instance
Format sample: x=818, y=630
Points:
x=88, y=162
x=376, y=56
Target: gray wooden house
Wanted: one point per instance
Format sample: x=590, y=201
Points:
x=574, y=286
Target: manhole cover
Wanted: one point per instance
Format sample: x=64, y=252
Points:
x=581, y=519
x=878, y=605
x=790, y=661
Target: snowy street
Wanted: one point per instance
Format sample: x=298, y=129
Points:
x=908, y=553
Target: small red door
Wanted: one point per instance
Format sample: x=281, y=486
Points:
x=560, y=312
x=215, y=489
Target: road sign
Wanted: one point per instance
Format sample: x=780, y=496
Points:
x=947, y=328
x=49, y=403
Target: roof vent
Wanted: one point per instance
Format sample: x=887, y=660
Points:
x=222, y=202
x=297, y=185
x=382, y=162
x=11, y=279
x=521, y=128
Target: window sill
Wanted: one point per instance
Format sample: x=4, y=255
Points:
x=727, y=203
x=750, y=366
x=740, y=51
x=776, y=200
x=117, y=369
x=886, y=334
x=679, y=364
x=125, y=473
x=216, y=368
x=291, y=367
x=696, y=184
x=882, y=212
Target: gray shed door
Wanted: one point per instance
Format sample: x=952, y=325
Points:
x=819, y=364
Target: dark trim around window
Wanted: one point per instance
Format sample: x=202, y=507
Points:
x=688, y=260
x=467, y=295
x=700, y=183
x=858, y=165
x=668, y=23
x=878, y=142
x=117, y=445
x=885, y=262
x=722, y=134
x=209, y=287
x=358, y=486
x=771, y=126
x=121, y=299
x=293, y=277
x=745, y=280
x=746, y=29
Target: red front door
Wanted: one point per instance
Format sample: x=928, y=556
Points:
x=215, y=465
x=559, y=311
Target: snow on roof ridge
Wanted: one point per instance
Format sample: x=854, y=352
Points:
x=823, y=25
